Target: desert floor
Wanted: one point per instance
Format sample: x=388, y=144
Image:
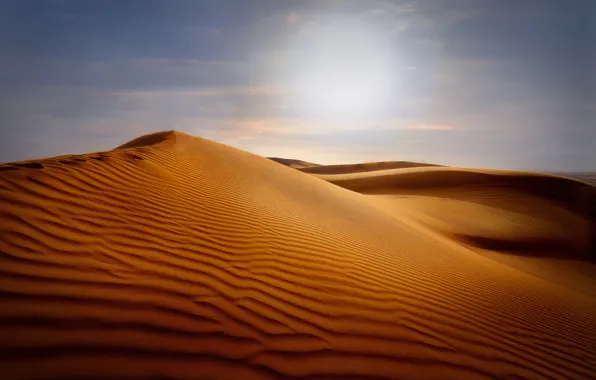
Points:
x=175, y=257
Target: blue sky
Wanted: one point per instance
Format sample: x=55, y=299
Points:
x=504, y=83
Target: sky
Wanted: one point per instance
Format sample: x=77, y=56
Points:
x=507, y=84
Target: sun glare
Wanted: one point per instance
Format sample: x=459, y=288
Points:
x=340, y=68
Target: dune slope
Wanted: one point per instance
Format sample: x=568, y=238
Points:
x=178, y=257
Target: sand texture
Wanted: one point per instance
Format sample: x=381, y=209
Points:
x=175, y=257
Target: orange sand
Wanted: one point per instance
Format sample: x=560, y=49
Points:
x=178, y=257
x=296, y=164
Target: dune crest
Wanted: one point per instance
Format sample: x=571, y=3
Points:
x=178, y=257
x=364, y=167
x=296, y=164
x=153, y=139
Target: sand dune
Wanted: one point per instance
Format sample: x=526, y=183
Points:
x=589, y=178
x=296, y=164
x=364, y=167
x=178, y=257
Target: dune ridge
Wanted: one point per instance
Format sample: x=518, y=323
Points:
x=293, y=163
x=177, y=257
x=364, y=167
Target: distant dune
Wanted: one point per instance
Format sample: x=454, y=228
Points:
x=175, y=257
x=364, y=167
x=589, y=178
x=297, y=164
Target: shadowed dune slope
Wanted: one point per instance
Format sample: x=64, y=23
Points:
x=177, y=257
x=589, y=178
x=505, y=210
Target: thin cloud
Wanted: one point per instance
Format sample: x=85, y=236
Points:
x=406, y=16
x=294, y=18
x=433, y=127
x=178, y=62
x=300, y=127
x=206, y=92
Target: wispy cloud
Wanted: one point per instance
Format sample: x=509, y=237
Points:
x=420, y=15
x=294, y=18
x=384, y=7
x=433, y=127
x=180, y=62
x=205, y=92
x=305, y=127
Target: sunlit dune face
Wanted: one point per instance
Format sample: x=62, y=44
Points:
x=340, y=69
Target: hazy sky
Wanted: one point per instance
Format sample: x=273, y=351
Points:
x=503, y=83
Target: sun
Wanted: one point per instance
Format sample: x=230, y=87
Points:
x=340, y=68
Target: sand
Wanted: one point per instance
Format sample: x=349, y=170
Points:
x=361, y=168
x=175, y=257
x=293, y=163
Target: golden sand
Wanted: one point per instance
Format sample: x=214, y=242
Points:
x=175, y=257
